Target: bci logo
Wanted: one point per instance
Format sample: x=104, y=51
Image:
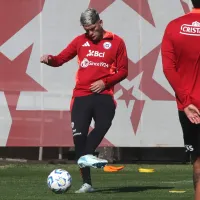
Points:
x=95, y=54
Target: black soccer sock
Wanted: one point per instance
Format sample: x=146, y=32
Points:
x=85, y=173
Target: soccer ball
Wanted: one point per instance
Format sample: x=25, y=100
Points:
x=59, y=181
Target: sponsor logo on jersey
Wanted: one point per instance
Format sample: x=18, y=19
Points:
x=193, y=30
x=85, y=63
x=86, y=44
x=95, y=54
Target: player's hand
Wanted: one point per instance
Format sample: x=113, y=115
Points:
x=193, y=114
x=46, y=59
x=97, y=86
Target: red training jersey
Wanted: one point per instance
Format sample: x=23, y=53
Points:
x=181, y=58
x=106, y=60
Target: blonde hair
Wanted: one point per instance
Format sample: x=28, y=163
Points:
x=89, y=16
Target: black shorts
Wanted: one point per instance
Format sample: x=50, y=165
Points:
x=191, y=134
x=100, y=107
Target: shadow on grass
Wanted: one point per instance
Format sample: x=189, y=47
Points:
x=131, y=189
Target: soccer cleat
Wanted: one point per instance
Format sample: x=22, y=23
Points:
x=85, y=188
x=91, y=161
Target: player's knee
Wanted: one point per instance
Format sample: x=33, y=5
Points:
x=196, y=162
x=196, y=172
x=79, y=130
x=103, y=126
x=195, y=159
x=78, y=138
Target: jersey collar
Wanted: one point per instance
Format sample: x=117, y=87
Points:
x=108, y=35
x=195, y=10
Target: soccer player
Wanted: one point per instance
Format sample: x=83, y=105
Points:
x=181, y=66
x=103, y=62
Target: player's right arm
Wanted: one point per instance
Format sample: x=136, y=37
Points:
x=170, y=70
x=174, y=79
x=64, y=56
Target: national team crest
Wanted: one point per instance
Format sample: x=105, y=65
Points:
x=107, y=45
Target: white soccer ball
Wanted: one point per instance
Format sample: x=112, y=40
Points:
x=59, y=181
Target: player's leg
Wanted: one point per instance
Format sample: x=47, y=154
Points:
x=196, y=176
x=104, y=112
x=81, y=116
x=191, y=135
x=196, y=164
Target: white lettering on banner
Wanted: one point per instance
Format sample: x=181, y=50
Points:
x=85, y=63
x=193, y=30
x=189, y=148
x=95, y=54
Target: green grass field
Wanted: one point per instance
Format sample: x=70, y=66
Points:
x=23, y=181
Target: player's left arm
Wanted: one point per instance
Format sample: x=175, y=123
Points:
x=121, y=66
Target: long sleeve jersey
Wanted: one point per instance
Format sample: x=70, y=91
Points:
x=181, y=58
x=106, y=60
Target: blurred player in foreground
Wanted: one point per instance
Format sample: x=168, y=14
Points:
x=181, y=65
